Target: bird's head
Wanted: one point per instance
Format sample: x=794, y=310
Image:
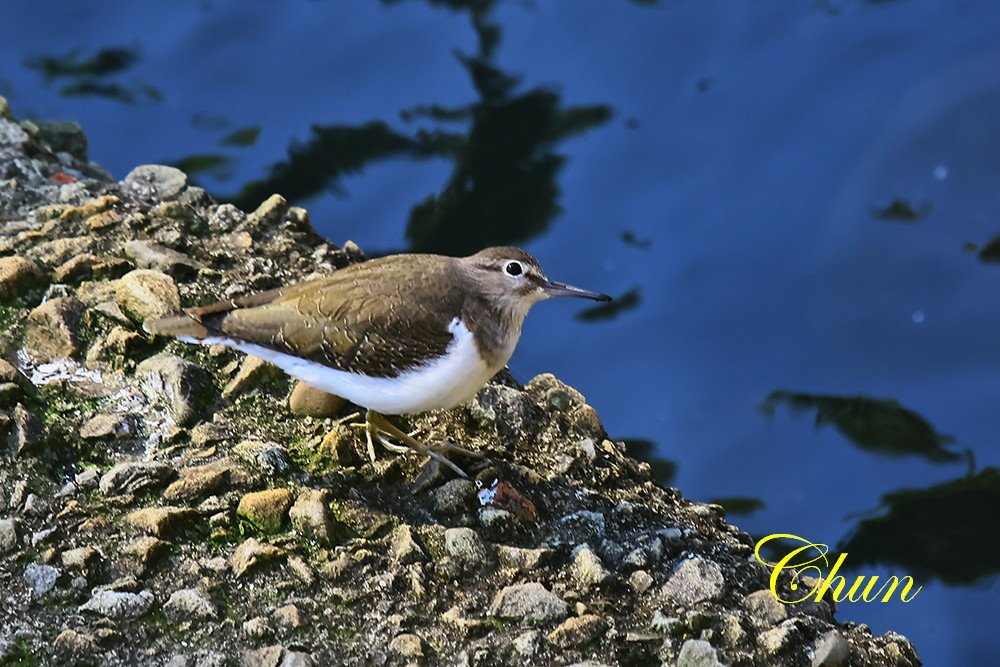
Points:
x=512, y=280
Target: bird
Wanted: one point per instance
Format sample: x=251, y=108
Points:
x=395, y=335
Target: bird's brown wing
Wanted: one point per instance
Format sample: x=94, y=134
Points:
x=365, y=319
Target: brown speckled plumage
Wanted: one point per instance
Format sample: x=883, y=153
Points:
x=378, y=318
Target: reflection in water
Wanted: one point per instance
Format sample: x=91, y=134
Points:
x=88, y=77
x=218, y=166
x=664, y=470
x=901, y=210
x=950, y=531
x=606, y=311
x=877, y=425
x=243, y=137
x=503, y=189
x=990, y=253
x=629, y=238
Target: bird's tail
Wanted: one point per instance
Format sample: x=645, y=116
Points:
x=178, y=326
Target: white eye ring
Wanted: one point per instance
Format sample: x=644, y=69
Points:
x=513, y=269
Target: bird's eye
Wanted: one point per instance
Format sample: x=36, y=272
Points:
x=513, y=268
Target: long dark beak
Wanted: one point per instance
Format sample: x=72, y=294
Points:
x=552, y=288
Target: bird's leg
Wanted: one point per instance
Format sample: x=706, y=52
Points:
x=381, y=425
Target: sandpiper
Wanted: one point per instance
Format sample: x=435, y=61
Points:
x=396, y=335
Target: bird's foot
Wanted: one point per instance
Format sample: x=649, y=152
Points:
x=376, y=426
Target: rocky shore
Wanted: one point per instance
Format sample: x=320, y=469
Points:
x=163, y=504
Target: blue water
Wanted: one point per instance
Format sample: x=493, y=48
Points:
x=749, y=151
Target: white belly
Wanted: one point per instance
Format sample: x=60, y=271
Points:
x=443, y=383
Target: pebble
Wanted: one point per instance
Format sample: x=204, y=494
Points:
x=465, y=546
x=403, y=548
x=253, y=554
x=189, y=603
x=266, y=510
x=308, y=401
x=288, y=617
x=27, y=434
x=186, y=387
x=198, y=482
x=408, y=646
x=17, y=275
x=134, y=476
x=51, y=330
x=523, y=559
x=693, y=580
x=162, y=521
x=530, y=602
x=640, y=581
x=763, y=609
x=106, y=426
x=698, y=653
x=8, y=535
x=831, y=650
x=588, y=568
x=149, y=255
x=577, y=631
x=310, y=515
x=152, y=182
x=146, y=294
x=455, y=497
x=41, y=578
x=119, y=604
x=527, y=643
x=253, y=371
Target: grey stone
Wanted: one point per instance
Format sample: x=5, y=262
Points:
x=588, y=568
x=764, y=609
x=41, y=578
x=253, y=554
x=577, y=631
x=189, y=603
x=27, y=433
x=579, y=527
x=8, y=535
x=35, y=506
x=185, y=387
x=698, y=653
x=454, y=497
x=119, y=604
x=403, y=547
x=134, y=476
x=106, y=426
x=407, y=646
x=465, y=546
x=310, y=515
x=269, y=656
x=694, y=580
x=527, y=643
x=226, y=218
x=269, y=457
x=530, y=602
x=152, y=182
x=63, y=136
x=640, y=581
x=831, y=650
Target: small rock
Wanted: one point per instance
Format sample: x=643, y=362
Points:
x=81, y=558
x=268, y=213
x=527, y=643
x=269, y=457
x=162, y=521
x=640, y=581
x=134, y=476
x=309, y=401
x=27, y=434
x=186, y=387
x=776, y=639
x=693, y=580
x=8, y=535
x=18, y=275
x=530, y=602
x=288, y=617
x=269, y=656
x=523, y=559
x=145, y=551
x=831, y=650
x=35, y=506
x=764, y=609
x=76, y=644
x=58, y=251
x=190, y=603
x=258, y=628
x=119, y=604
x=254, y=554
x=88, y=479
x=149, y=255
x=154, y=182
x=455, y=497
x=311, y=516
x=698, y=653
x=403, y=547
x=296, y=659
x=226, y=218
x=41, y=578
x=579, y=527
x=407, y=646
x=198, y=482
x=266, y=510
x=146, y=294
x=253, y=371
x=465, y=546
x=106, y=427
x=52, y=329
x=588, y=569
x=578, y=631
